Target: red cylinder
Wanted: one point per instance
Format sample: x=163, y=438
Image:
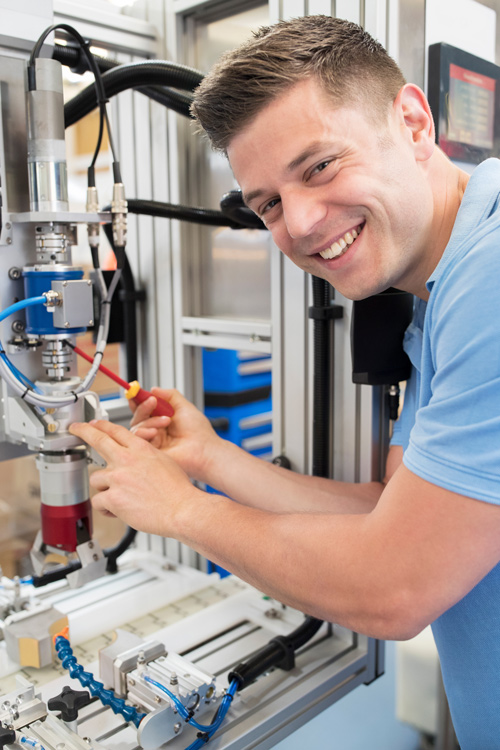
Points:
x=60, y=527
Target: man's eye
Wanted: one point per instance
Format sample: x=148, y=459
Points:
x=320, y=167
x=271, y=204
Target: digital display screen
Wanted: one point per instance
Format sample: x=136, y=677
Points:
x=463, y=94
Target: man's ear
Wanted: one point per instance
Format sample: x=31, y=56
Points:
x=414, y=115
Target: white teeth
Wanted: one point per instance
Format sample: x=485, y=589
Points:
x=340, y=245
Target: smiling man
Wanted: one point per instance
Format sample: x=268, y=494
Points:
x=336, y=153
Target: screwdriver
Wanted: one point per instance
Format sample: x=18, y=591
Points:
x=133, y=391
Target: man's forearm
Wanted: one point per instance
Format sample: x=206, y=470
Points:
x=259, y=484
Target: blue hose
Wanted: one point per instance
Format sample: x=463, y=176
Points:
x=21, y=305
x=206, y=729
x=86, y=679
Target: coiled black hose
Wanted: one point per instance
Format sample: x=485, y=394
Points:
x=137, y=75
x=175, y=100
x=195, y=215
x=232, y=206
x=279, y=652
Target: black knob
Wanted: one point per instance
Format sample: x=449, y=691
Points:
x=7, y=736
x=68, y=702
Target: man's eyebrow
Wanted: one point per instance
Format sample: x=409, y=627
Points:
x=311, y=150
x=251, y=196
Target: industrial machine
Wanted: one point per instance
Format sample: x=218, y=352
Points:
x=156, y=652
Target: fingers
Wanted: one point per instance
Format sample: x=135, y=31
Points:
x=145, y=433
x=143, y=417
x=172, y=395
x=144, y=409
x=99, y=480
x=105, y=437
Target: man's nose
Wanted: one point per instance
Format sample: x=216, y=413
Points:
x=303, y=212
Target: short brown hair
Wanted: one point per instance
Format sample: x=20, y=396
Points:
x=351, y=66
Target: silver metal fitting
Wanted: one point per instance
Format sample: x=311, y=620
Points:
x=53, y=298
x=93, y=229
x=119, y=210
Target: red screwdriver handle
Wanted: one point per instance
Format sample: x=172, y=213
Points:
x=162, y=408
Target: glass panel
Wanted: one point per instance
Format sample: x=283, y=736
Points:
x=234, y=265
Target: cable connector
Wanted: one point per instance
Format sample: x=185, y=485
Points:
x=53, y=299
x=119, y=211
x=93, y=229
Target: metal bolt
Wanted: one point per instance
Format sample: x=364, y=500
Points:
x=89, y=283
x=91, y=322
x=177, y=727
x=66, y=324
x=14, y=273
x=131, y=682
x=18, y=326
x=91, y=545
x=9, y=240
x=157, y=699
x=95, y=558
x=65, y=283
x=8, y=225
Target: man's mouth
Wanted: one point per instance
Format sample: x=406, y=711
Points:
x=341, y=245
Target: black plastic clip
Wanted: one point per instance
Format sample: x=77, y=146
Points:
x=329, y=312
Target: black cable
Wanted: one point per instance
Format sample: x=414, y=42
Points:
x=145, y=73
x=232, y=206
x=279, y=652
x=167, y=97
x=128, y=298
x=98, y=87
x=111, y=554
x=192, y=214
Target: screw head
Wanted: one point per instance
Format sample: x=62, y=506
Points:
x=18, y=326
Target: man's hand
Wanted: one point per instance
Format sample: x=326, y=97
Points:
x=187, y=437
x=140, y=485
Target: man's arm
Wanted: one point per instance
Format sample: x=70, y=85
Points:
x=259, y=484
x=190, y=440
x=387, y=573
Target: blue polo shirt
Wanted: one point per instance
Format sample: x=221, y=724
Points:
x=450, y=432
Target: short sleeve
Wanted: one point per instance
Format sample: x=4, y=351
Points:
x=455, y=441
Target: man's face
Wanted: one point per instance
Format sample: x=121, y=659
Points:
x=344, y=198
